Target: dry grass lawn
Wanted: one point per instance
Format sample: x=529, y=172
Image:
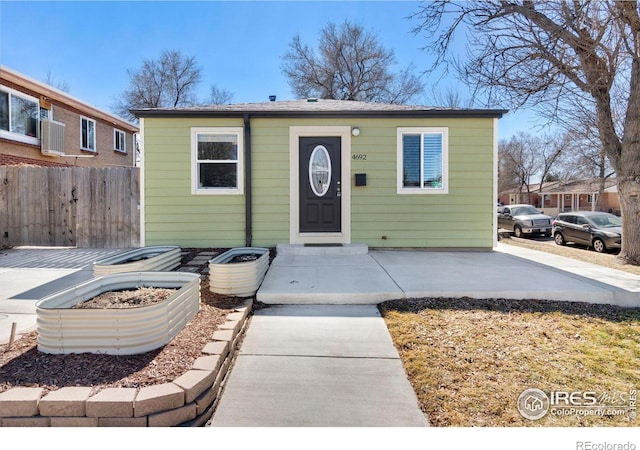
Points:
x=469, y=360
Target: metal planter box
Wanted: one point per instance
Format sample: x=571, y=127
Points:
x=238, y=279
x=125, y=331
x=146, y=259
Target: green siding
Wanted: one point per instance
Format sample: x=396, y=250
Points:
x=380, y=217
x=461, y=218
x=172, y=214
x=270, y=148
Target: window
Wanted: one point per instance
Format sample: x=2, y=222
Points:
x=422, y=161
x=24, y=116
x=19, y=116
x=216, y=155
x=45, y=114
x=581, y=221
x=87, y=134
x=4, y=111
x=119, y=141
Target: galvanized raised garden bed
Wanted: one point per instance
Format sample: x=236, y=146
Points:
x=123, y=331
x=238, y=272
x=146, y=259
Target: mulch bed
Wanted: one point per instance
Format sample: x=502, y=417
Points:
x=24, y=365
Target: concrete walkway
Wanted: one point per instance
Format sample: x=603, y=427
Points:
x=318, y=366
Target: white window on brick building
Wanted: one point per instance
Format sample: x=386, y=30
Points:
x=19, y=116
x=87, y=134
x=119, y=141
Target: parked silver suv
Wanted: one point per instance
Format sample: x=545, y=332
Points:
x=524, y=219
x=599, y=230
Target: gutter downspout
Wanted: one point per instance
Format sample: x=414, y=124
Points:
x=247, y=181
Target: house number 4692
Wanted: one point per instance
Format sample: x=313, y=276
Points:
x=359, y=157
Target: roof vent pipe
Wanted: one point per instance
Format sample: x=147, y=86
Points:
x=272, y=98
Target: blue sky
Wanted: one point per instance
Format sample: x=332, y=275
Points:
x=239, y=44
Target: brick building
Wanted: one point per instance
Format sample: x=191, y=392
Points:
x=41, y=125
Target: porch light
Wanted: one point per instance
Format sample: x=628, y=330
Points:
x=355, y=131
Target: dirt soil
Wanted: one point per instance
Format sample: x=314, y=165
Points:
x=128, y=298
x=24, y=365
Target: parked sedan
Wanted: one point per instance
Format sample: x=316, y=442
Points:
x=524, y=219
x=599, y=230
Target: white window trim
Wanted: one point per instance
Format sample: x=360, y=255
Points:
x=115, y=141
x=444, y=131
x=17, y=136
x=195, y=189
x=95, y=135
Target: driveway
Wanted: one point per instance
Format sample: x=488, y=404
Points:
x=29, y=274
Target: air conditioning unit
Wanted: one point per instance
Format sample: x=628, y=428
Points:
x=52, y=138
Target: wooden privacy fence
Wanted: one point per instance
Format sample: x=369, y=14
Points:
x=87, y=207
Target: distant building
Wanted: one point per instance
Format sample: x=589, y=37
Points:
x=562, y=196
x=43, y=126
x=580, y=195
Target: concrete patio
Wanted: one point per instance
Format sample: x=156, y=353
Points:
x=361, y=277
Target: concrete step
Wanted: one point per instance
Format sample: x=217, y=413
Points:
x=322, y=249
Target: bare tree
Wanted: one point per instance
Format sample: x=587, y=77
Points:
x=449, y=98
x=524, y=52
x=52, y=81
x=508, y=175
x=551, y=148
x=169, y=81
x=585, y=157
x=526, y=158
x=519, y=162
x=590, y=154
x=403, y=88
x=577, y=161
x=218, y=96
x=350, y=64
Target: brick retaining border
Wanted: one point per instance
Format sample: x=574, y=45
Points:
x=188, y=401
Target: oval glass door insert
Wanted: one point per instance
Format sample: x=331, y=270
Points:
x=320, y=170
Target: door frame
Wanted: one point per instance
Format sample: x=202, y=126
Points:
x=295, y=236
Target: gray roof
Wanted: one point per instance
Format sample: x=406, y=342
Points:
x=317, y=108
x=586, y=186
x=578, y=186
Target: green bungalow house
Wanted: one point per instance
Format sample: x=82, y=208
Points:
x=319, y=172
